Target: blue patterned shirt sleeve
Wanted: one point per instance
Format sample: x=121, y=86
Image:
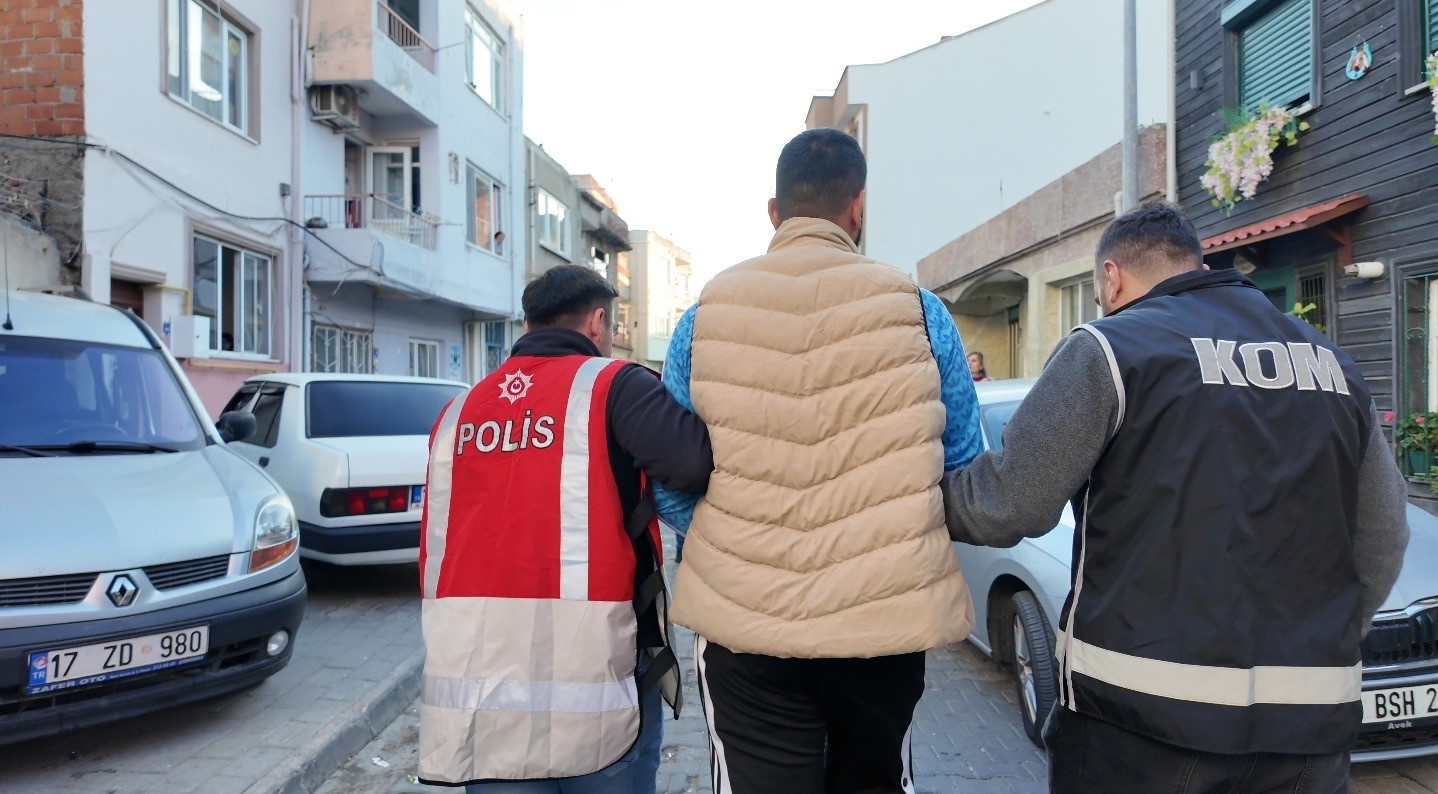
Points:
x=956, y=386
x=676, y=508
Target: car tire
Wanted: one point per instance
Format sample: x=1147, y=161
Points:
x=1032, y=658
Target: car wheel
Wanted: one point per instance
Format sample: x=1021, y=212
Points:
x=1035, y=677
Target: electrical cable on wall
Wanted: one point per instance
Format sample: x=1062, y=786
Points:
x=237, y=216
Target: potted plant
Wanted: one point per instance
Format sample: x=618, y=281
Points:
x=1416, y=436
x=1241, y=159
x=1432, y=73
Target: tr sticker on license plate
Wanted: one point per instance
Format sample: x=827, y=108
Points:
x=51, y=671
x=416, y=496
x=1401, y=703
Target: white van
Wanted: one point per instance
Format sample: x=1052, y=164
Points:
x=143, y=564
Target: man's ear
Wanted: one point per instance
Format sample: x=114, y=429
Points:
x=1111, y=282
x=774, y=213
x=856, y=210
x=594, y=327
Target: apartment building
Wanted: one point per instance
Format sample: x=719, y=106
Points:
x=160, y=148
x=959, y=131
x=415, y=186
x=604, y=242
x=327, y=185
x=660, y=271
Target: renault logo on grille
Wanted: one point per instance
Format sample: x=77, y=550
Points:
x=122, y=591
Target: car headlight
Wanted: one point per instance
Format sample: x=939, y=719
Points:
x=277, y=534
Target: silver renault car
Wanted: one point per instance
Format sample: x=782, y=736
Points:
x=1019, y=594
x=143, y=564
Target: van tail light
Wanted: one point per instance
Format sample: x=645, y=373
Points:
x=342, y=502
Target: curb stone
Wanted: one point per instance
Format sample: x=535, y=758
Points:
x=346, y=734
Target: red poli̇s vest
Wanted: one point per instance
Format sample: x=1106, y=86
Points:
x=527, y=573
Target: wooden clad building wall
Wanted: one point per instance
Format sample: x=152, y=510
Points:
x=1368, y=137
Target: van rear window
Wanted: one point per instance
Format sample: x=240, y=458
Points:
x=342, y=409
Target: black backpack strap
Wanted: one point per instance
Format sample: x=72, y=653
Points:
x=662, y=661
x=637, y=526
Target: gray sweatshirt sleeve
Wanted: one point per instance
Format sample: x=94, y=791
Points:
x=1050, y=447
x=1382, y=533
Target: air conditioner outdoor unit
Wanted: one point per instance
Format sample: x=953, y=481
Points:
x=334, y=105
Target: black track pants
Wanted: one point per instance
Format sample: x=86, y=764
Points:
x=1090, y=756
x=805, y=726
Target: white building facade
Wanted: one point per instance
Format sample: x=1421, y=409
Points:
x=284, y=185
x=415, y=188
x=659, y=272
x=957, y=132
x=189, y=181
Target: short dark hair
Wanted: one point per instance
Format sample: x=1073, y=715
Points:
x=820, y=171
x=1155, y=237
x=565, y=295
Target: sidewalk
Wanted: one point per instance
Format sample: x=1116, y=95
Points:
x=356, y=664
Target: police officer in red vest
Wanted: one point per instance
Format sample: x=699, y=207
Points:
x=545, y=625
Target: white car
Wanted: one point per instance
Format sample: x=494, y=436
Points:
x=1019, y=595
x=143, y=564
x=351, y=451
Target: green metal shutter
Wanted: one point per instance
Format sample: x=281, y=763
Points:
x=1275, y=57
x=1430, y=26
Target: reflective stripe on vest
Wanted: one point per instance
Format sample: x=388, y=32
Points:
x=1221, y=686
x=528, y=581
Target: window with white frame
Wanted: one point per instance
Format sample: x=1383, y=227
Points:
x=232, y=287
x=483, y=59
x=335, y=349
x=208, y=62
x=484, y=206
x=553, y=223
x=423, y=358
x=1076, y=305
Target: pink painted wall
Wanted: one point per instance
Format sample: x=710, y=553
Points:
x=217, y=384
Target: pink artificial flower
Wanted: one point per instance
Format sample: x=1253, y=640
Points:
x=1418, y=419
x=1388, y=417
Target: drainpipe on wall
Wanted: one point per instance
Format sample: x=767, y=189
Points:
x=296, y=320
x=1170, y=132
x=517, y=270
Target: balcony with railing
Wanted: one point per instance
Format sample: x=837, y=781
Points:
x=368, y=211
x=403, y=34
x=367, y=45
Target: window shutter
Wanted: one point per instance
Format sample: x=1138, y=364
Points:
x=1430, y=26
x=1275, y=57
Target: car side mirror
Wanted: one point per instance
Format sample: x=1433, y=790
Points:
x=236, y=426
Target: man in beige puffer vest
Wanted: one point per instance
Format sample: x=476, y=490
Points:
x=818, y=570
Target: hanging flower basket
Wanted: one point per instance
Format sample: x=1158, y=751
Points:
x=1239, y=161
x=1433, y=89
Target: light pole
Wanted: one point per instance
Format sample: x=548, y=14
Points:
x=1130, y=105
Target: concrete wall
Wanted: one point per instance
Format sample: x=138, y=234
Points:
x=393, y=323
x=32, y=258
x=1048, y=239
x=139, y=227
x=961, y=130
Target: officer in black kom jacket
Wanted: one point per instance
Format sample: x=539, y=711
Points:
x=1240, y=520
